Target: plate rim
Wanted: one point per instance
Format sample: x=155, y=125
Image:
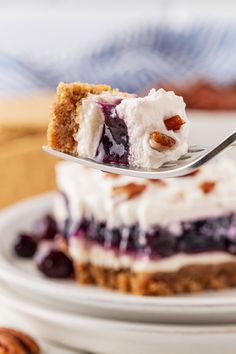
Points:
x=48, y=287
x=23, y=305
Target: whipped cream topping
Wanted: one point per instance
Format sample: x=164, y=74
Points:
x=90, y=253
x=89, y=193
x=143, y=116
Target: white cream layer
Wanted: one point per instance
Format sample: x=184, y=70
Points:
x=97, y=255
x=89, y=193
x=143, y=116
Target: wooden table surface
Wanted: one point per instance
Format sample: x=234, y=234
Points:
x=24, y=169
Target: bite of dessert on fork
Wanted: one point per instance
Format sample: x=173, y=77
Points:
x=113, y=127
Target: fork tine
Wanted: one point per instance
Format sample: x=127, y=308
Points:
x=195, y=158
x=169, y=164
x=185, y=157
x=196, y=148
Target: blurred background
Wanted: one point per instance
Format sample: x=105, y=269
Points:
x=187, y=46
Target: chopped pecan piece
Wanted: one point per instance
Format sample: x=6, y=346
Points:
x=159, y=182
x=161, y=142
x=17, y=342
x=192, y=174
x=130, y=190
x=207, y=186
x=111, y=175
x=174, y=123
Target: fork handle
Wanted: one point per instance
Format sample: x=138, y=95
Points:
x=226, y=143
x=232, y=138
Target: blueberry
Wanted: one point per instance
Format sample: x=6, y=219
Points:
x=45, y=228
x=96, y=231
x=25, y=246
x=54, y=264
x=160, y=242
x=112, y=238
x=202, y=235
x=196, y=243
x=129, y=238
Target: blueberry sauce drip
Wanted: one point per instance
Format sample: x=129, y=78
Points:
x=114, y=143
x=212, y=234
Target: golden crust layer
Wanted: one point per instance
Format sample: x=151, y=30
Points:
x=63, y=125
x=189, y=279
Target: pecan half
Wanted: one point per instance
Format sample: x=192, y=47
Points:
x=174, y=123
x=207, y=186
x=161, y=142
x=10, y=345
x=17, y=342
x=130, y=190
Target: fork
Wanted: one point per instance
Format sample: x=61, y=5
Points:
x=188, y=163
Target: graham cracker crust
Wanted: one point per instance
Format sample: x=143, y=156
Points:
x=189, y=279
x=63, y=125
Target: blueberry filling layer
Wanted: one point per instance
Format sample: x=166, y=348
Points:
x=114, y=143
x=212, y=234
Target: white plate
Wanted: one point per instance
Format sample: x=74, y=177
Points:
x=115, y=337
x=209, y=307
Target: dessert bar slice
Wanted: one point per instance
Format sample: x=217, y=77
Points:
x=109, y=126
x=150, y=237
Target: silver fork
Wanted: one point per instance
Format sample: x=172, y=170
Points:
x=195, y=158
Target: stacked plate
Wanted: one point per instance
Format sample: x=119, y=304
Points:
x=101, y=321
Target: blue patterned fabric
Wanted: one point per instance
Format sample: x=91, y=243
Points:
x=133, y=60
